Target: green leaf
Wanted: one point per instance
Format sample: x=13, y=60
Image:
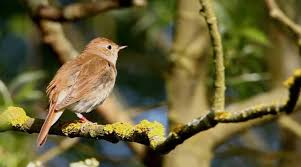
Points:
x=255, y=35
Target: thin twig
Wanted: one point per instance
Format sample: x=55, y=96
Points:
x=210, y=18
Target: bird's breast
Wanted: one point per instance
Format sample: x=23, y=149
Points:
x=95, y=98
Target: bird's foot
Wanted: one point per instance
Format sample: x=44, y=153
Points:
x=82, y=118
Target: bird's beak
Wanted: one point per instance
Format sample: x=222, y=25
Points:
x=122, y=47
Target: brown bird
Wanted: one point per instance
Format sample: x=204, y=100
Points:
x=82, y=83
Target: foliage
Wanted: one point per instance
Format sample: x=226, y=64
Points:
x=245, y=41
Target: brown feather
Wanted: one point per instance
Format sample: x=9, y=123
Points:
x=51, y=118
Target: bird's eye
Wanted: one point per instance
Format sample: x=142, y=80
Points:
x=109, y=47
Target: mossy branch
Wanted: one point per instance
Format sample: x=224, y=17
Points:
x=216, y=40
x=147, y=133
x=150, y=133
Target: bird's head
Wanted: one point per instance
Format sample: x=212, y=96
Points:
x=104, y=48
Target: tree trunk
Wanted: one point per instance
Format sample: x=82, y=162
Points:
x=185, y=82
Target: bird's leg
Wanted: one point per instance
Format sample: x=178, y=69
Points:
x=82, y=118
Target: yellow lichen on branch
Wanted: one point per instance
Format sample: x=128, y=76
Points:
x=71, y=127
x=146, y=132
x=222, y=115
x=153, y=130
x=12, y=117
x=122, y=129
x=287, y=83
x=297, y=72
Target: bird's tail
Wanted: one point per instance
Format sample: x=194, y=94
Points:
x=51, y=118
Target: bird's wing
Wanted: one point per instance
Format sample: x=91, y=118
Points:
x=63, y=80
x=94, y=72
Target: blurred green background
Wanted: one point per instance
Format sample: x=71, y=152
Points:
x=27, y=65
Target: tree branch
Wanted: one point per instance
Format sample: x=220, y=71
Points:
x=279, y=16
x=212, y=119
x=147, y=133
x=150, y=133
x=52, y=33
x=80, y=10
x=210, y=18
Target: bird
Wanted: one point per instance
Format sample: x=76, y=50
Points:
x=82, y=84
